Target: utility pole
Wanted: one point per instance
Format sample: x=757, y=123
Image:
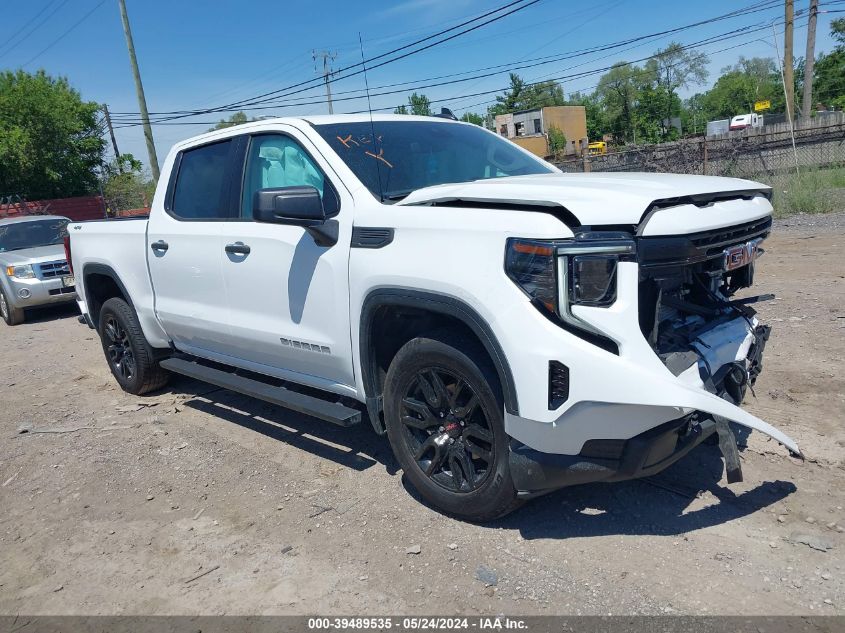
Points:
x=788, y=58
x=139, y=89
x=327, y=72
x=111, y=133
x=809, y=60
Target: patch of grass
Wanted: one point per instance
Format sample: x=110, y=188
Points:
x=814, y=191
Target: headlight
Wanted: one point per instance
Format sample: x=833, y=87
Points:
x=531, y=266
x=21, y=272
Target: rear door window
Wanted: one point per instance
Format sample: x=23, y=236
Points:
x=201, y=183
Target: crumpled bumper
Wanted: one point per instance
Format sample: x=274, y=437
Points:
x=631, y=399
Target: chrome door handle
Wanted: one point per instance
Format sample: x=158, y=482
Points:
x=238, y=248
x=160, y=245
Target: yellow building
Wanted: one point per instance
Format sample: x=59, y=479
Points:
x=530, y=128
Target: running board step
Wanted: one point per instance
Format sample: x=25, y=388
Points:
x=333, y=412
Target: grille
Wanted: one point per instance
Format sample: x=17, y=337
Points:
x=62, y=291
x=54, y=269
x=714, y=241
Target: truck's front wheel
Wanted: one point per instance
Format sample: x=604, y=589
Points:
x=130, y=357
x=444, y=416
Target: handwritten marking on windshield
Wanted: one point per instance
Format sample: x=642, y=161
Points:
x=379, y=156
x=346, y=141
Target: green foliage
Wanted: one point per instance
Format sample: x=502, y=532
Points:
x=597, y=117
x=522, y=96
x=829, y=82
x=472, y=117
x=741, y=85
x=50, y=143
x=418, y=104
x=557, y=141
x=125, y=186
x=236, y=119
x=813, y=191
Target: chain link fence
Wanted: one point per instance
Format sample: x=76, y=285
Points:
x=756, y=155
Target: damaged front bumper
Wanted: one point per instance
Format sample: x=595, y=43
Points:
x=631, y=414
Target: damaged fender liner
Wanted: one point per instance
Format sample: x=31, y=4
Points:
x=535, y=472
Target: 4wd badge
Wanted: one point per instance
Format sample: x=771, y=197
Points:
x=742, y=255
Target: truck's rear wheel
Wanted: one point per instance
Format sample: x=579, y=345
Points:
x=11, y=315
x=444, y=417
x=129, y=355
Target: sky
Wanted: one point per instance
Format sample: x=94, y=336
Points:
x=194, y=54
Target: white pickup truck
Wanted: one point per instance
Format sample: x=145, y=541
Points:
x=512, y=329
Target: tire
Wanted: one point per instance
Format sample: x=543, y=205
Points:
x=11, y=315
x=129, y=355
x=444, y=414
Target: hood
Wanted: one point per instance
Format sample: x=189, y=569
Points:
x=35, y=255
x=594, y=199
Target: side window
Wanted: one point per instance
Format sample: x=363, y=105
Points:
x=200, y=183
x=275, y=160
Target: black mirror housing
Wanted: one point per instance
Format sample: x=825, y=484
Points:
x=301, y=205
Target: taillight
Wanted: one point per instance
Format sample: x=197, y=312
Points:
x=66, y=241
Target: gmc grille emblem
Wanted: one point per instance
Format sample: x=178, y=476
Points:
x=741, y=255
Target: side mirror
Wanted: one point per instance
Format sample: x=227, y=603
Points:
x=301, y=206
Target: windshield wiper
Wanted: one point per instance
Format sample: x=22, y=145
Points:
x=397, y=195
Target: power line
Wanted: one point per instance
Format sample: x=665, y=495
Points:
x=523, y=4
x=21, y=38
x=63, y=35
x=247, y=104
x=742, y=31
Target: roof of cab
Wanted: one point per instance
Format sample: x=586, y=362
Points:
x=322, y=119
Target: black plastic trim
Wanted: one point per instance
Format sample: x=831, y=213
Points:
x=441, y=304
x=535, y=472
x=108, y=271
x=371, y=236
x=324, y=409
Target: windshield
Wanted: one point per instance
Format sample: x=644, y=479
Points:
x=19, y=235
x=410, y=155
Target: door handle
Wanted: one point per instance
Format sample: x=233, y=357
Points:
x=160, y=245
x=238, y=248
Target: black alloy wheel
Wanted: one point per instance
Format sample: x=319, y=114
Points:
x=119, y=349
x=447, y=430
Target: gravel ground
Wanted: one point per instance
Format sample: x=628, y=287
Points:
x=811, y=223
x=200, y=501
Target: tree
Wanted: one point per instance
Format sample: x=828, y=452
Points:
x=741, y=85
x=50, y=139
x=829, y=71
x=618, y=89
x=557, y=141
x=522, y=96
x=418, y=104
x=673, y=68
x=597, y=122
x=124, y=184
x=472, y=117
x=236, y=119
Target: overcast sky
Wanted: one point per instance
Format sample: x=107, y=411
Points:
x=194, y=54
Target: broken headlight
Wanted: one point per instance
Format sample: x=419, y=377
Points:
x=587, y=268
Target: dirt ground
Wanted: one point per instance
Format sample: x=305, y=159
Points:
x=201, y=501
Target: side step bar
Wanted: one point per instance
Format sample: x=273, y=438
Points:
x=333, y=412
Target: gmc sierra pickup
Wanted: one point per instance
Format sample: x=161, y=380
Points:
x=512, y=329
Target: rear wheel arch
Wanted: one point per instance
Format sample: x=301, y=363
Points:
x=390, y=317
x=102, y=283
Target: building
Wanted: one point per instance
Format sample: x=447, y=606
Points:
x=530, y=128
